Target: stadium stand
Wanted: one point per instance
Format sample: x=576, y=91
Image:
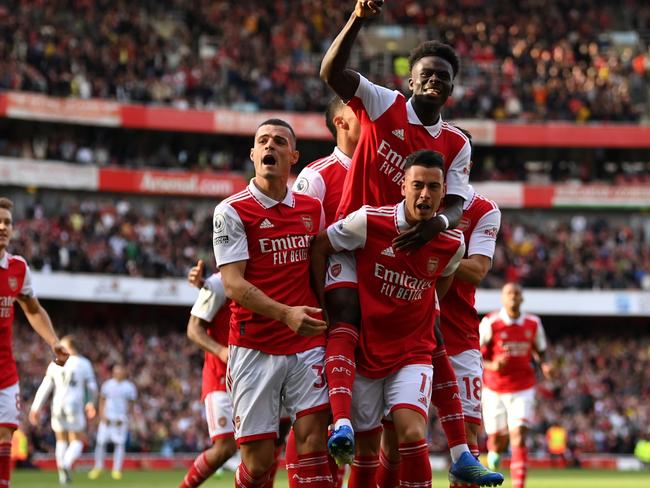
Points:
x=524, y=60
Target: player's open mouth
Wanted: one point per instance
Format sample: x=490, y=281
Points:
x=269, y=159
x=423, y=206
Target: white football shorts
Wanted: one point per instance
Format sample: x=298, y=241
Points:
x=260, y=384
x=341, y=271
x=507, y=411
x=10, y=406
x=468, y=366
x=374, y=399
x=218, y=414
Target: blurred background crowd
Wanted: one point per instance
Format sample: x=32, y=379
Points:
x=165, y=238
x=600, y=392
x=527, y=60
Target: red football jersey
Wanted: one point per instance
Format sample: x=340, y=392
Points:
x=459, y=319
x=214, y=369
x=213, y=306
x=14, y=281
x=515, y=339
x=323, y=179
x=274, y=238
x=390, y=131
x=397, y=298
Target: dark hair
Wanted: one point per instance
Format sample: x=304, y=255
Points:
x=426, y=158
x=279, y=122
x=6, y=203
x=438, y=49
x=333, y=106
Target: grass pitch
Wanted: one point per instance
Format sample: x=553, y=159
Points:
x=171, y=479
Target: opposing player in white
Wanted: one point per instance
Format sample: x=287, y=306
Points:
x=75, y=393
x=116, y=400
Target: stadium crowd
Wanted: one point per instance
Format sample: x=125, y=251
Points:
x=600, y=392
x=527, y=60
x=102, y=236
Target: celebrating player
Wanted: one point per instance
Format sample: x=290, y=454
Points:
x=323, y=179
x=116, y=399
x=394, y=363
x=261, y=242
x=509, y=341
x=459, y=321
x=75, y=393
x=391, y=128
x=16, y=284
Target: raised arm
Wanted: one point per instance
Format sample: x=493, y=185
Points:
x=333, y=70
x=249, y=296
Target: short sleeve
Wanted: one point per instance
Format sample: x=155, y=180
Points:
x=484, y=236
x=454, y=262
x=350, y=233
x=27, y=289
x=485, y=331
x=228, y=235
x=210, y=300
x=375, y=99
x=133, y=392
x=540, y=337
x=310, y=182
x=457, y=177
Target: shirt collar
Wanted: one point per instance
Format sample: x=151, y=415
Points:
x=4, y=261
x=434, y=129
x=503, y=315
x=344, y=158
x=268, y=202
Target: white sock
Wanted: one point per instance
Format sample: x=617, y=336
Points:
x=341, y=422
x=74, y=450
x=100, y=451
x=118, y=457
x=59, y=452
x=457, y=451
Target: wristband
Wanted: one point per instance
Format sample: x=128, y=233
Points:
x=445, y=220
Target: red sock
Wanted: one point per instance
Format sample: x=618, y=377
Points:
x=473, y=448
x=446, y=398
x=363, y=472
x=5, y=464
x=518, y=464
x=244, y=479
x=340, y=367
x=198, y=472
x=387, y=473
x=314, y=471
x=415, y=469
x=291, y=460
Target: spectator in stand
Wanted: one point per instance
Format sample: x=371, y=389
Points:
x=532, y=60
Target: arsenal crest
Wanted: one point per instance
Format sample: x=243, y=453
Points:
x=432, y=265
x=309, y=225
x=13, y=283
x=335, y=270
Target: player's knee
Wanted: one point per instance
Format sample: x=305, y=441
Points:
x=366, y=445
x=343, y=306
x=411, y=433
x=222, y=450
x=6, y=433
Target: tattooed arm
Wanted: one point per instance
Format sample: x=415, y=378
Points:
x=249, y=296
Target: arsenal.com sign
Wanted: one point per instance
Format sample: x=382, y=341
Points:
x=171, y=183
